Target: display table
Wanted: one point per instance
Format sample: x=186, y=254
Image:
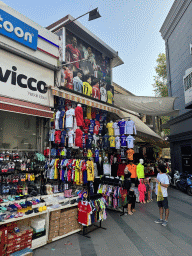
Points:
x=59, y=222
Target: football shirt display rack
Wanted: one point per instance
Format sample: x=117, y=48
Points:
x=84, y=232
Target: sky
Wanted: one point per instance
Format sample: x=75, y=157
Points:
x=130, y=27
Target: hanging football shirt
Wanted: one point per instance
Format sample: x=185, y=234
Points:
x=91, y=126
x=130, y=153
x=52, y=135
x=110, y=128
x=130, y=127
x=97, y=114
x=117, y=142
x=95, y=139
x=130, y=141
x=84, y=211
x=61, y=119
x=63, y=137
x=70, y=138
x=107, y=169
x=88, y=112
x=69, y=118
x=112, y=141
x=57, y=137
x=123, y=141
x=96, y=128
x=123, y=156
x=116, y=129
x=93, y=113
x=84, y=139
x=89, y=141
x=106, y=141
x=90, y=171
x=121, y=125
x=101, y=128
x=96, y=156
x=57, y=116
x=86, y=124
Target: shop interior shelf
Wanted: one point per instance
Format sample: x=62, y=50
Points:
x=22, y=218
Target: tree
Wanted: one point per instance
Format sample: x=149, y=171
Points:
x=160, y=85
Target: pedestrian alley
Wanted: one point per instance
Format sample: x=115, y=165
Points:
x=134, y=235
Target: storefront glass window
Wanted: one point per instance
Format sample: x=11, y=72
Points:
x=17, y=132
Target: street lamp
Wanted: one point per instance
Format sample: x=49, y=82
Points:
x=94, y=14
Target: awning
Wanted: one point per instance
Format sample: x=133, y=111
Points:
x=23, y=107
x=144, y=132
x=152, y=106
x=85, y=100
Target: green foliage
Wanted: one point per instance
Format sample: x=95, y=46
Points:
x=160, y=85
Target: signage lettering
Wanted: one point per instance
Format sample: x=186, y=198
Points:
x=22, y=80
x=18, y=30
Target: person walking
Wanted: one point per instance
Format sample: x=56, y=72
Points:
x=163, y=182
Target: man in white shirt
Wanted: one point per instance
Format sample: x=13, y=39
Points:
x=163, y=180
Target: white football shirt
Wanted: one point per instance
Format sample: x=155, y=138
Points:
x=130, y=141
x=129, y=127
x=116, y=129
x=117, y=143
x=69, y=118
x=103, y=94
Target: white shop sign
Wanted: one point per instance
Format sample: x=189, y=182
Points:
x=24, y=80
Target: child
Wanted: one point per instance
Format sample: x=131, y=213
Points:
x=148, y=190
x=142, y=190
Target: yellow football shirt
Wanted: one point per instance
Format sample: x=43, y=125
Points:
x=88, y=112
x=112, y=142
x=110, y=128
x=109, y=97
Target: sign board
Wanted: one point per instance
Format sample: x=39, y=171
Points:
x=17, y=30
x=25, y=80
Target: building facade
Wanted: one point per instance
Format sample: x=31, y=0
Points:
x=176, y=31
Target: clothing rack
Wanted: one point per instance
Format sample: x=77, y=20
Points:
x=85, y=232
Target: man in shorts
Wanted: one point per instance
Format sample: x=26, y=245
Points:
x=163, y=180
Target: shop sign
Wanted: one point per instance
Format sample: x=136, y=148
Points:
x=17, y=30
x=24, y=80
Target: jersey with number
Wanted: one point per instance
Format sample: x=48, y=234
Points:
x=123, y=141
x=84, y=139
x=130, y=141
x=91, y=126
x=77, y=84
x=89, y=141
x=106, y=141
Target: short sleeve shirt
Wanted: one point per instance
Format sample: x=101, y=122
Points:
x=69, y=117
x=110, y=128
x=112, y=142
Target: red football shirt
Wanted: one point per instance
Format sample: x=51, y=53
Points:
x=96, y=128
x=84, y=209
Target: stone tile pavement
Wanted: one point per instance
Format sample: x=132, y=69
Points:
x=134, y=235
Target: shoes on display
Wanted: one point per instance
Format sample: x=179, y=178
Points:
x=29, y=212
x=159, y=221
x=35, y=210
x=44, y=208
x=164, y=223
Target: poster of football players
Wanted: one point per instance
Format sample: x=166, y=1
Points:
x=86, y=70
